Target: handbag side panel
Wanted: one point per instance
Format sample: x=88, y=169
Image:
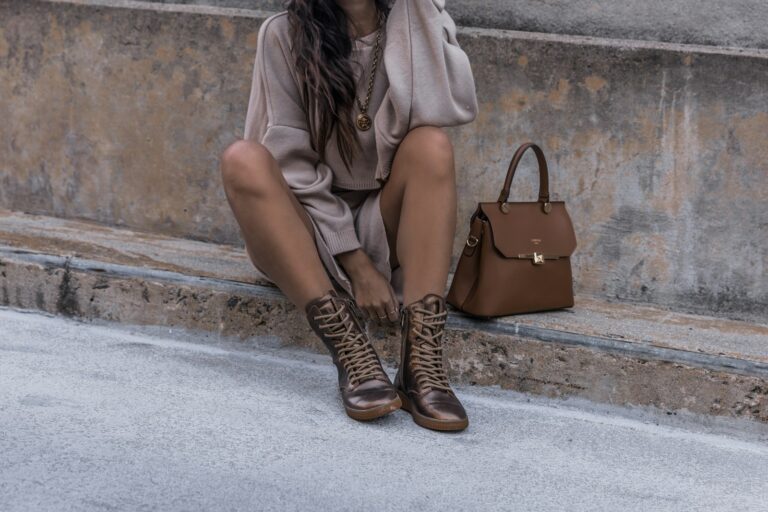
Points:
x=468, y=268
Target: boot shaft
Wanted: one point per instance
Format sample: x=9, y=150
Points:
x=422, y=381
x=422, y=329
x=338, y=323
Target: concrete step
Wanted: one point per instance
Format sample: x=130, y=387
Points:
x=739, y=23
x=601, y=351
x=117, y=111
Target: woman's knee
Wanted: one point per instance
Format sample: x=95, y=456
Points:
x=432, y=147
x=247, y=166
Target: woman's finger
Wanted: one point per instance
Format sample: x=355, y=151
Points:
x=381, y=313
x=393, y=313
x=364, y=310
x=373, y=313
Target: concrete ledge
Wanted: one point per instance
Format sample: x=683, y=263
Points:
x=210, y=8
x=260, y=9
x=711, y=22
x=662, y=359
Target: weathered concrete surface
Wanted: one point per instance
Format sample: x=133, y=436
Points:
x=629, y=323
x=119, y=114
x=106, y=417
x=739, y=23
x=607, y=353
x=85, y=239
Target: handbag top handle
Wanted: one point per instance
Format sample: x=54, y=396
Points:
x=543, y=173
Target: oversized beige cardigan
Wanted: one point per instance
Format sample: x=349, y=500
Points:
x=425, y=79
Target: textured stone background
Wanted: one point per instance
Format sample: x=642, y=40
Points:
x=119, y=115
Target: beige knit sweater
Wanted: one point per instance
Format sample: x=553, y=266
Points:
x=425, y=79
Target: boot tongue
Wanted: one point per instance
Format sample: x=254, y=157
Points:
x=329, y=306
x=433, y=304
x=328, y=303
x=331, y=303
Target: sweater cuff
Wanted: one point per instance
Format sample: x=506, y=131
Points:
x=342, y=241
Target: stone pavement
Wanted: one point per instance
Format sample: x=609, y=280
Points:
x=106, y=417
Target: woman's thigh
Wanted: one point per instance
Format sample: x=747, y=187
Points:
x=423, y=152
x=249, y=170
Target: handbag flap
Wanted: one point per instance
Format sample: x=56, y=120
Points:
x=526, y=229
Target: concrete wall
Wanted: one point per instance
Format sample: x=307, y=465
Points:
x=742, y=23
x=119, y=114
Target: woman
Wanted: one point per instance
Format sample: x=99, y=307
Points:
x=344, y=186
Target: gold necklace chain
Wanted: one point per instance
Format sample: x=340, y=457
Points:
x=363, y=119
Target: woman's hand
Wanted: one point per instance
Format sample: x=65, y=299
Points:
x=372, y=292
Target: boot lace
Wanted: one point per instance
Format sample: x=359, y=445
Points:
x=428, y=353
x=355, y=351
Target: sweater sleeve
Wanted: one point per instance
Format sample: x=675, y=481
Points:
x=276, y=118
x=430, y=77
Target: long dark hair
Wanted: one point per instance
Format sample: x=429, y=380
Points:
x=321, y=49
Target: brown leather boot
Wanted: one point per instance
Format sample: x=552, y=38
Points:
x=366, y=390
x=421, y=379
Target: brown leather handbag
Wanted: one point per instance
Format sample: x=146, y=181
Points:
x=517, y=258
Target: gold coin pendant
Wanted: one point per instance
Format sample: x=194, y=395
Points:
x=364, y=122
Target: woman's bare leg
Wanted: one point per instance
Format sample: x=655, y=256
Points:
x=280, y=240
x=418, y=204
x=278, y=234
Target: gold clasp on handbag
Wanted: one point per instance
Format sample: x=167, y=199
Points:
x=536, y=257
x=472, y=241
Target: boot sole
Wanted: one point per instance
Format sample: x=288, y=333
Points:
x=375, y=412
x=431, y=423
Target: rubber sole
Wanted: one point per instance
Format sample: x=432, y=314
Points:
x=431, y=423
x=376, y=412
